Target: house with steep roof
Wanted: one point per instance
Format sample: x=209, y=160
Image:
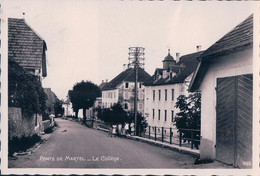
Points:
x=121, y=90
x=164, y=87
x=224, y=77
x=26, y=47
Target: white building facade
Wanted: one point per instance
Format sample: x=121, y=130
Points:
x=163, y=90
x=121, y=90
x=225, y=80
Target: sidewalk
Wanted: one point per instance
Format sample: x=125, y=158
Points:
x=185, y=150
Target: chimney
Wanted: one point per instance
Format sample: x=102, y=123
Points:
x=124, y=67
x=102, y=81
x=106, y=80
x=177, y=57
x=198, y=48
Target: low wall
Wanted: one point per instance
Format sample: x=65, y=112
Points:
x=46, y=124
x=19, y=126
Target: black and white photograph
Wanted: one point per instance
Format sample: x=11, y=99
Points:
x=129, y=87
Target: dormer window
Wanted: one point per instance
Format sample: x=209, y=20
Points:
x=170, y=75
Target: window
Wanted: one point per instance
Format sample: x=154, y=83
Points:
x=126, y=85
x=153, y=113
x=159, y=114
x=153, y=95
x=126, y=95
x=36, y=123
x=172, y=116
x=171, y=75
x=140, y=85
x=159, y=95
x=140, y=106
x=165, y=115
x=140, y=95
x=165, y=94
x=172, y=94
x=126, y=106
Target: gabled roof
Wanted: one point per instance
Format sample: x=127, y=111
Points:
x=127, y=76
x=240, y=38
x=25, y=46
x=186, y=66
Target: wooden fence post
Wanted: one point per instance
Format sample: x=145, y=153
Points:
x=191, y=139
x=171, y=135
x=149, y=132
x=180, y=133
x=162, y=133
x=155, y=133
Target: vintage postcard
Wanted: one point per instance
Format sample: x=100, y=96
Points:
x=129, y=87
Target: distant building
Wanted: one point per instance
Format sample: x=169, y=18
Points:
x=121, y=90
x=165, y=86
x=225, y=78
x=50, y=101
x=67, y=105
x=26, y=47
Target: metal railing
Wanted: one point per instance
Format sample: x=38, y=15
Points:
x=182, y=137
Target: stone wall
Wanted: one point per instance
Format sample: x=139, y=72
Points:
x=19, y=126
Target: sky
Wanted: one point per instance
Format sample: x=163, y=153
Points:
x=89, y=40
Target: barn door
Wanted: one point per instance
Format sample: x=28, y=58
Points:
x=234, y=120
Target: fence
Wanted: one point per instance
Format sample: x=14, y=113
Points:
x=182, y=137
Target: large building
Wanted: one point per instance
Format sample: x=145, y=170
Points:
x=165, y=86
x=225, y=79
x=121, y=90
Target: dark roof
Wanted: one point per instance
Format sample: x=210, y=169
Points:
x=103, y=85
x=127, y=76
x=25, y=46
x=168, y=57
x=186, y=66
x=240, y=38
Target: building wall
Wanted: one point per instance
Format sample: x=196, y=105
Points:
x=238, y=63
x=68, y=111
x=19, y=126
x=109, y=98
x=162, y=105
x=127, y=94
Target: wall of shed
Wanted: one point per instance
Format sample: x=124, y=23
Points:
x=234, y=64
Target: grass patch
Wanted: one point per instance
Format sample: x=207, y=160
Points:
x=22, y=144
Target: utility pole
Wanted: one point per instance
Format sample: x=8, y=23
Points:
x=136, y=59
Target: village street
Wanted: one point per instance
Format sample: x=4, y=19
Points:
x=75, y=146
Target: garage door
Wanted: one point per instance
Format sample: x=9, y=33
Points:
x=234, y=120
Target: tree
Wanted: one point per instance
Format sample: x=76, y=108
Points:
x=25, y=91
x=189, y=115
x=58, y=109
x=75, y=103
x=114, y=115
x=85, y=94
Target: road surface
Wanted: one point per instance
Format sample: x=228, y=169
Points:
x=72, y=145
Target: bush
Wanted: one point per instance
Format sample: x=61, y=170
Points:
x=22, y=144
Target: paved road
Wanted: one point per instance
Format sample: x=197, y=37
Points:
x=77, y=146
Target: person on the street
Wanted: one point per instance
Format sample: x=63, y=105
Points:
x=132, y=126
x=110, y=131
x=114, y=130
x=119, y=130
x=126, y=128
